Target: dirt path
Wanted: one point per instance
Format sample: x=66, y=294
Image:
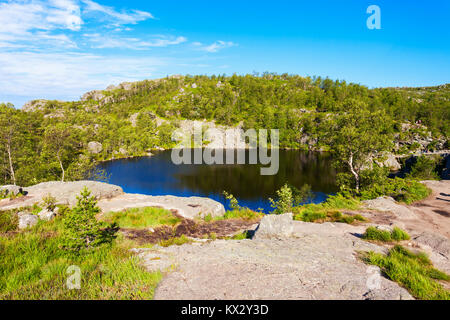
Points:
x=433, y=213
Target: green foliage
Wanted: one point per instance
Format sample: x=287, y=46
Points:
x=403, y=190
x=424, y=169
x=413, y=271
x=81, y=228
x=178, y=241
x=141, y=218
x=233, y=201
x=241, y=236
x=284, y=202
x=243, y=213
x=49, y=202
x=330, y=210
x=398, y=234
x=375, y=234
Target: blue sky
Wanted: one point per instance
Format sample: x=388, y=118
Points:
x=59, y=49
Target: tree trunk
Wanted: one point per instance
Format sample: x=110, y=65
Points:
x=355, y=174
x=62, y=167
x=11, y=168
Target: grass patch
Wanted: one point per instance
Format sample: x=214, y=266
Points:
x=375, y=234
x=9, y=220
x=329, y=211
x=413, y=271
x=240, y=236
x=241, y=214
x=140, y=218
x=33, y=266
x=178, y=241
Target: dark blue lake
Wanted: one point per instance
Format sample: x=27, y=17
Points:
x=158, y=175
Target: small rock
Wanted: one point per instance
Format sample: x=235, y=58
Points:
x=275, y=226
x=95, y=147
x=46, y=215
x=27, y=220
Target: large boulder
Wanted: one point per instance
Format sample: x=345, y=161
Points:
x=187, y=207
x=390, y=161
x=27, y=220
x=275, y=227
x=95, y=147
x=64, y=192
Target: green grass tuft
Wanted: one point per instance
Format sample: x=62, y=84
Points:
x=413, y=271
x=140, y=218
x=375, y=234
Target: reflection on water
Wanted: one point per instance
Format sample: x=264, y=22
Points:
x=157, y=175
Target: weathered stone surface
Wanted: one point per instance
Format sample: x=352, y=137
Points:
x=46, y=215
x=11, y=189
x=95, y=147
x=390, y=161
x=64, y=192
x=27, y=220
x=389, y=204
x=188, y=207
x=275, y=227
x=307, y=266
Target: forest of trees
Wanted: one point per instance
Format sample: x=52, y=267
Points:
x=49, y=140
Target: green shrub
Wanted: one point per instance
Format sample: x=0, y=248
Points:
x=81, y=228
x=403, y=190
x=413, y=271
x=396, y=234
x=373, y=233
x=424, y=169
x=49, y=202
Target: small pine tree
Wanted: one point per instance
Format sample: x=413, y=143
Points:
x=82, y=230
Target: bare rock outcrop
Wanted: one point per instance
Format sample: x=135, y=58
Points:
x=388, y=204
x=64, y=192
x=95, y=147
x=309, y=265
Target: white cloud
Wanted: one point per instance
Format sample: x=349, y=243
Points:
x=69, y=74
x=101, y=41
x=21, y=17
x=118, y=18
x=216, y=46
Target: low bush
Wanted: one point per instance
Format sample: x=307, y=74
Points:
x=375, y=234
x=402, y=190
x=424, y=168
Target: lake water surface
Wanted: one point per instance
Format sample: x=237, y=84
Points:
x=157, y=175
